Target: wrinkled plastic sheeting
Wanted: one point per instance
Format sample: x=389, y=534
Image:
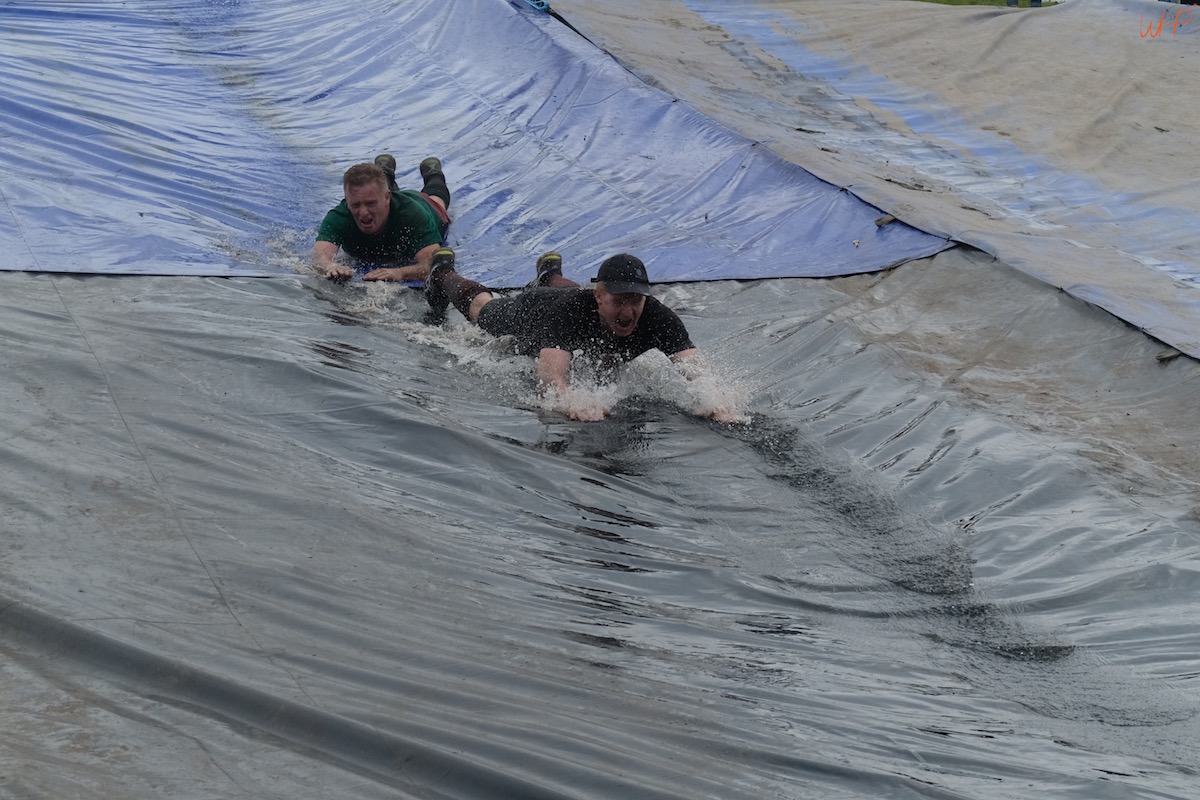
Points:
x=198, y=137
x=1130, y=253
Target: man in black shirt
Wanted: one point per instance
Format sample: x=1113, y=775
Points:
x=555, y=320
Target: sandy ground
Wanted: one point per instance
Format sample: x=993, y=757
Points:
x=1076, y=85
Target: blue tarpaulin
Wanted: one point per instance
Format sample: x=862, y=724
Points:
x=208, y=138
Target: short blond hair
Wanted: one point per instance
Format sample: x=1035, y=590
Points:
x=364, y=175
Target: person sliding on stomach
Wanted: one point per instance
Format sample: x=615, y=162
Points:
x=554, y=319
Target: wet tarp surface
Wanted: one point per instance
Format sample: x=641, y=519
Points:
x=178, y=138
x=280, y=539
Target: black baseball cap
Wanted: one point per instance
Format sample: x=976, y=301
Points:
x=623, y=274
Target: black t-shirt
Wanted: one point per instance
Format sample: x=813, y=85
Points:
x=569, y=319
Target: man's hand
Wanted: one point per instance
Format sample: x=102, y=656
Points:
x=336, y=272
x=725, y=416
x=589, y=412
x=383, y=274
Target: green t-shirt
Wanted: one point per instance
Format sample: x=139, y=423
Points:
x=412, y=225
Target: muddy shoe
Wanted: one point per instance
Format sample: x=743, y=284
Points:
x=388, y=164
x=430, y=166
x=441, y=264
x=548, y=265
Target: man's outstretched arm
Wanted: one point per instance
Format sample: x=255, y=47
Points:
x=323, y=255
x=553, y=366
x=693, y=366
x=553, y=369
x=417, y=271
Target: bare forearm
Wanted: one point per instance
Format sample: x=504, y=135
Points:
x=412, y=272
x=416, y=271
x=690, y=363
x=323, y=255
x=553, y=366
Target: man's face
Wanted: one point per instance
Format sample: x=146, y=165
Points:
x=369, y=205
x=619, y=312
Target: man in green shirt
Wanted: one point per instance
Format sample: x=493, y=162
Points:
x=390, y=233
